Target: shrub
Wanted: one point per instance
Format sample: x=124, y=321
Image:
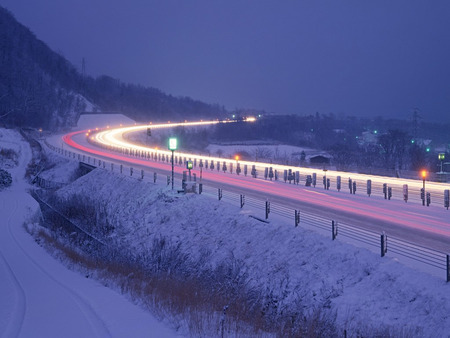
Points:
x=5, y=179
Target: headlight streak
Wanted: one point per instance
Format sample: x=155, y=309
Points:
x=113, y=138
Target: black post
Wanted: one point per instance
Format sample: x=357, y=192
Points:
x=172, y=169
x=448, y=268
x=423, y=199
x=242, y=201
x=267, y=209
x=383, y=244
x=334, y=229
x=297, y=217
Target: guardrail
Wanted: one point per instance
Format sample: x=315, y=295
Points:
x=385, y=243
x=428, y=256
x=300, y=176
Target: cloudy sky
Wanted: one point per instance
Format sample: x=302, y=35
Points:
x=361, y=57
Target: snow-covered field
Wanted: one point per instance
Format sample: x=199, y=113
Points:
x=297, y=267
x=39, y=297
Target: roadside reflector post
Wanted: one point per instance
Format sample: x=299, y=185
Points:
x=200, y=188
x=328, y=184
x=385, y=190
x=354, y=187
x=154, y=177
x=428, y=199
x=112, y=166
x=121, y=168
x=369, y=187
x=267, y=209
x=338, y=183
x=389, y=193
x=219, y=192
x=334, y=229
x=314, y=179
x=245, y=169
x=131, y=171
x=266, y=173
x=142, y=174
x=285, y=175
x=242, y=201
x=446, y=198
x=276, y=175
x=383, y=244
x=297, y=177
x=271, y=175
x=405, y=193
x=168, y=179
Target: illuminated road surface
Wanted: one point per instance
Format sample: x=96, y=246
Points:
x=428, y=226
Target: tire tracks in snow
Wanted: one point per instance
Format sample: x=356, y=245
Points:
x=98, y=325
x=14, y=325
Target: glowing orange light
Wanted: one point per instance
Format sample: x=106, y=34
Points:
x=96, y=128
x=87, y=134
x=424, y=174
x=236, y=157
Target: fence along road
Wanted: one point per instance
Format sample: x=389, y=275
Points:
x=428, y=226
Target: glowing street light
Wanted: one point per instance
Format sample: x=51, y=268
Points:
x=422, y=194
x=441, y=158
x=173, y=143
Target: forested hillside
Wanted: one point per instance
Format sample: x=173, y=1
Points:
x=40, y=88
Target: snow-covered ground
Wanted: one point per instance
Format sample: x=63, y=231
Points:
x=299, y=268
x=39, y=297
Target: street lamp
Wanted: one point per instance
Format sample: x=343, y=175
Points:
x=424, y=176
x=441, y=158
x=172, y=147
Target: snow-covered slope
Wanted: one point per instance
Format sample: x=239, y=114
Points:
x=296, y=267
x=39, y=297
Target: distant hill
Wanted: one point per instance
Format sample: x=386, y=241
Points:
x=40, y=88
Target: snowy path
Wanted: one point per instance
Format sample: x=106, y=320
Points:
x=39, y=297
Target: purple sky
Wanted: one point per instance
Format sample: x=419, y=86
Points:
x=361, y=57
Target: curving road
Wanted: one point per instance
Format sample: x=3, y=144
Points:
x=428, y=226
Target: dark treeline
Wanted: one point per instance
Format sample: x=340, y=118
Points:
x=353, y=143
x=40, y=88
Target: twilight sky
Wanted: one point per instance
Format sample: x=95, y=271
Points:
x=360, y=57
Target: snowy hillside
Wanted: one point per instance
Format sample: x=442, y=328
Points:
x=291, y=269
x=39, y=297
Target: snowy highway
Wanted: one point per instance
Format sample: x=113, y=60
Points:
x=428, y=226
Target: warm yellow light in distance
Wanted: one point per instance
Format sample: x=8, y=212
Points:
x=424, y=174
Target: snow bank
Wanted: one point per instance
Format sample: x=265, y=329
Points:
x=293, y=266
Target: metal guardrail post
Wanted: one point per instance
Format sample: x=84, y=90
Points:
x=267, y=209
x=448, y=268
x=334, y=229
x=383, y=244
x=297, y=217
